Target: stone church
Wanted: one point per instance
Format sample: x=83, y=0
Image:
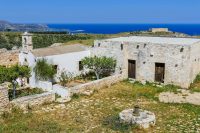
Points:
x=154, y=59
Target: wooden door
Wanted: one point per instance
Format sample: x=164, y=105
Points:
x=131, y=69
x=159, y=72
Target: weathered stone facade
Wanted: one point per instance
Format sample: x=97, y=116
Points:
x=4, y=104
x=180, y=56
x=9, y=58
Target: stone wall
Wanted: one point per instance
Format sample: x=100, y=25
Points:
x=194, y=61
x=27, y=102
x=178, y=64
x=44, y=85
x=97, y=84
x=104, y=48
x=154, y=30
x=8, y=58
x=4, y=104
x=61, y=91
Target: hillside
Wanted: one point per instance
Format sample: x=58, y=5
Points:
x=9, y=40
x=7, y=26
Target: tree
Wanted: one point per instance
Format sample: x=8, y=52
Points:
x=7, y=74
x=43, y=70
x=10, y=74
x=17, y=71
x=99, y=65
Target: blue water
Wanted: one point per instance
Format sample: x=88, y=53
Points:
x=191, y=29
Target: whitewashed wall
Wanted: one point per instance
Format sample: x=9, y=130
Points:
x=31, y=61
x=66, y=62
x=61, y=91
x=44, y=85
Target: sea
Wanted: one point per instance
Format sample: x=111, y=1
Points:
x=190, y=29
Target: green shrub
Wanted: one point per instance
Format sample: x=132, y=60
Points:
x=75, y=96
x=43, y=70
x=45, y=40
x=65, y=78
x=197, y=79
x=114, y=123
x=13, y=72
x=24, y=92
x=99, y=65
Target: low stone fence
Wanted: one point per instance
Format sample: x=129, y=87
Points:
x=182, y=97
x=31, y=101
x=61, y=91
x=44, y=85
x=27, y=102
x=4, y=100
x=97, y=84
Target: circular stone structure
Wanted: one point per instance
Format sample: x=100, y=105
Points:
x=144, y=119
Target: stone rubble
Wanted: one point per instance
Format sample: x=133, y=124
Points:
x=4, y=104
x=183, y=97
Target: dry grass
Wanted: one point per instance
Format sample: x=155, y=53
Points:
x=99, y=113
x=88, y=42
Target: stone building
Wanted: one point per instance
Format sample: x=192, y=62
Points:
x=155, y=30
x=154, y=59
x=65, y=58
x=9, y=58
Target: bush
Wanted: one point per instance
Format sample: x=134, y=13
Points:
x=99, y=65
x=45, y=40
x=43, y=70
x=13, y=72
x=24, y=92
x=87, y=76
x=65, y=78
x=9, y=40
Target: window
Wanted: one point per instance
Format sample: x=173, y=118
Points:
x=25, y=40
x=122, y=46
x=182, y=49
x=145, y=45
x=99, y=44
x=80, y=66
x=55, y=68
x=138, y=46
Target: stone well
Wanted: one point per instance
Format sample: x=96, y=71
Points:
x=144, y=119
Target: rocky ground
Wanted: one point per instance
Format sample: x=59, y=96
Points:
x=183, y=96
x=99, y=113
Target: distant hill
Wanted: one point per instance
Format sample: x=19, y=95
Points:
x=7, y=26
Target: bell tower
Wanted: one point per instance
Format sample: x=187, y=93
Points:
x=27, y=44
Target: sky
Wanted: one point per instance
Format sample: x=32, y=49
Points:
x=100, y=11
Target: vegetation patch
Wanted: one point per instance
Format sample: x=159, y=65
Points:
x=99, y=113
x=44, y=70
x=195, y=86
x=24, y=92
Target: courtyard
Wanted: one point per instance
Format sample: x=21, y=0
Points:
x=99, y=112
